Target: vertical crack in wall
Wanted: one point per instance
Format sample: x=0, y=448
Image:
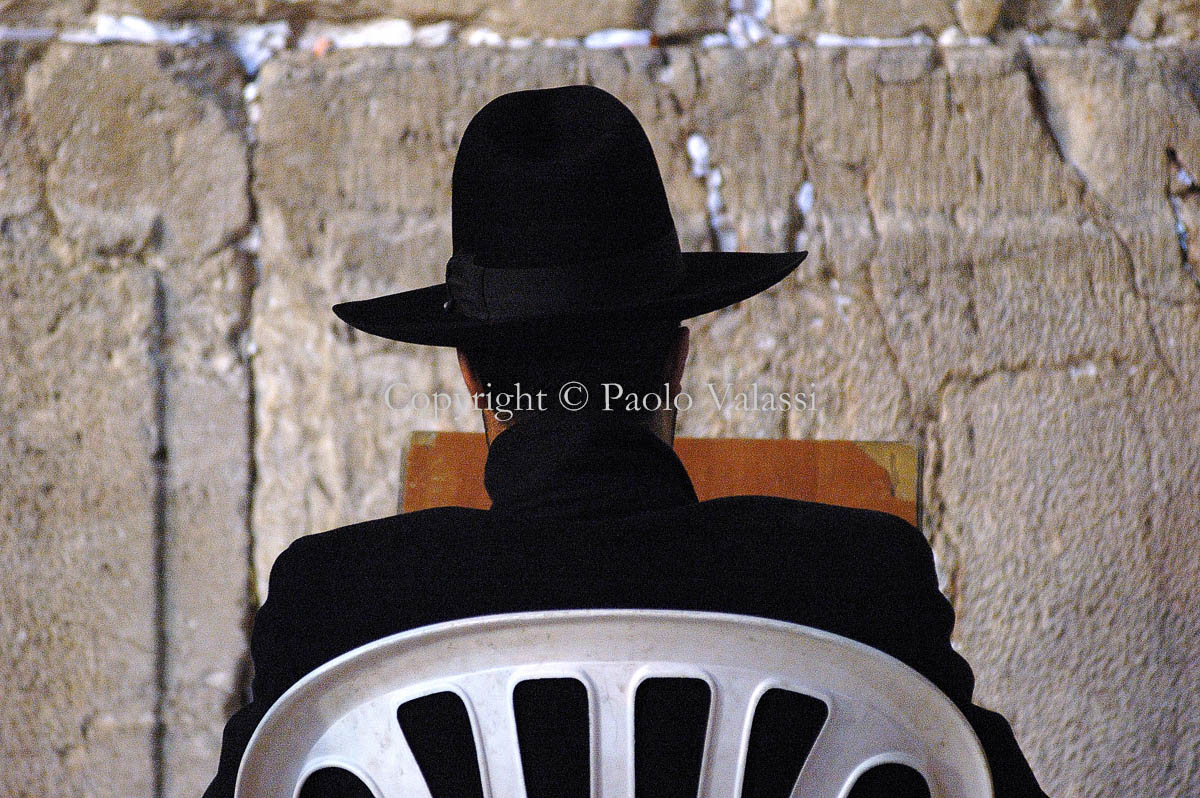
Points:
x=1041, y=113
x=160, y=459
x=1179, y=185
x=722, y=234
x=246, y=348
x=873, y=294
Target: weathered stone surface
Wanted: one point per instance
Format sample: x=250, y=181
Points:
x=1178, y=332
x=141, y=149
x=1077, y=604
x=837, y=351
x=77, y=537
x=1127, y=151
x=44, y=13
x=77, y=610
x=948, y=131
x=512, y=18
x=969, y=204
x=806, y=18
x=978, y=17
x=874, y=18
x=689, y=16
x=1148, y=19
x=1175, y=18
x=206, y=542
x=21, y=175
x=1089, y=18
x=1012, y=294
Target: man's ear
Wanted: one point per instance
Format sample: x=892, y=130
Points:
x=473, y=384
x=677, y=358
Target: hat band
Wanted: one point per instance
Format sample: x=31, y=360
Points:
x=494, y=294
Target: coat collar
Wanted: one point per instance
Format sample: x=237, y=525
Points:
x=583, y=464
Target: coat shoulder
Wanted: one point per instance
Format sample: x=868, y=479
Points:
x=352, y=542
x=776, y=510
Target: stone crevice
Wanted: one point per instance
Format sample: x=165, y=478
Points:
x=161, y=460
x=246, y=348
x=1038, y=102
x=24, y=124
x=1175, y=198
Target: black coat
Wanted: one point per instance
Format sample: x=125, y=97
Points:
x=597, y=512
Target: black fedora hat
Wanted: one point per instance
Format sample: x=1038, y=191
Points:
x=561, y=230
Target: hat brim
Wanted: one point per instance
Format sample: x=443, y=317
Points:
x=713, y=280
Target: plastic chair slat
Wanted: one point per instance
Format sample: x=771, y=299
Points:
x=855, y=737
x=612, y=723
x=728, y=735
x=488, y=696
x=370, y=743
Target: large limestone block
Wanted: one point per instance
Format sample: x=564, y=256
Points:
x=1070, y=506
x=937, y=170
x=924, y=130
x=875, y=18
x=512, y=18
x=1013, y=293
x=206, y=543
x=978, y=17
x=1090, y=18
x=145, y=156
x=807, y=18
x=78, y=531
x=689, y=17
x=95, y=703
x=142, y=149
x=1126, y=120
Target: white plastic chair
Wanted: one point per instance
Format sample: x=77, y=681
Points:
x=344, y=714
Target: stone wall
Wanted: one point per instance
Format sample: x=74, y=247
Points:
x=1001, y=272
x=804, y=19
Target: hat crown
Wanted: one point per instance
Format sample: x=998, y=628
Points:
x=561, y=227
x=553, y=177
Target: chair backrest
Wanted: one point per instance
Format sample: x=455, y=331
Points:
x=344, y=714
x=446, y=469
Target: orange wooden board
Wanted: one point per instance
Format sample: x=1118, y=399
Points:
x=446, y=468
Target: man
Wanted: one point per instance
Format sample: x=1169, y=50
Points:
x=567, y=279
